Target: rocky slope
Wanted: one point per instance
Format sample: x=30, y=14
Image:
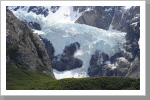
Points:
x=98, y=17
x=25, y=48
x=105, y=17
x=127, y=62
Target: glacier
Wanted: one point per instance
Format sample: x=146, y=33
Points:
x=62, y=33
x=64, y=14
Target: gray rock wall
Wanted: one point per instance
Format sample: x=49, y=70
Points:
x=25, y=48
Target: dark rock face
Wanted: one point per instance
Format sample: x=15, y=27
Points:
x=39, y=10
x=98, y=58
x=122, y=65
x=134, y=70
x=25, y=48
x=133, y=36
x=13, y=37
x=114, y=57
x=109, y=71
x=97, y=62
x=35, y=25
x=72, y=48
x=31, y=25
x=26, y=25
x=66, y=61
x=104, y=16
x=100, y=17
x=49, y=47
x=122, y=18
x=54, y=8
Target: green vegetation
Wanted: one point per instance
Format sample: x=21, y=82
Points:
x=19, y=78
x=11, y=51
x=94, y=83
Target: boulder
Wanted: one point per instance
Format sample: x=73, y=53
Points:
x=35, y=25
x=123, y=66
x=66, y=60
x=134, y=70
x=72, y=48
x=98, y=60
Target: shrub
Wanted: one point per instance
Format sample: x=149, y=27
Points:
x=19, y=78
x=12, y=51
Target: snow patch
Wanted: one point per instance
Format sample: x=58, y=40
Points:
x=112, y=66
x=122, y=59
x=127, y=7
x=108, y=9
x=134, y=24
x=107, y=62
x=70, y=74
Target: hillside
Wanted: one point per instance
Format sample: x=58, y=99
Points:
x=23, y=48
x=24, y=79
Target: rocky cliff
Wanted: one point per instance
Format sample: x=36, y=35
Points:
x=105, y=17
x=25, y=48
x=127, y=62
x=98, y=17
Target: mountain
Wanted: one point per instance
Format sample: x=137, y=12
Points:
x=25, y=49
x=87, y=41
x=60, y=13
x=116, y=18
x=110, y=17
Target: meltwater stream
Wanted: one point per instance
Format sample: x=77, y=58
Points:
x=89, y=38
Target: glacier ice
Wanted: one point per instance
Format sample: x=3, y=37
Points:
x=90, y=39
x=64, y=14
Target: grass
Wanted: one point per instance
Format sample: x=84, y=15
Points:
x=19, y=78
